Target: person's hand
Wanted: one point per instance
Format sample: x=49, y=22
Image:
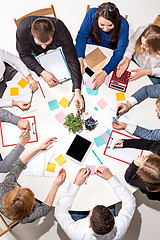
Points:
x=82, y=66
x=23, y=124
x=99, y=79
x=47, y=143
x=119, y=125
x=103, y=172
x=49, y=78
x=81, y=176
x=60, y=177
x=139, y=160
x=79, y=102
x=32, y=83
x=118, y=144
x=124, y=108
x=139, y=73
x=24, y=138
x=21, y=104
x=122, y=66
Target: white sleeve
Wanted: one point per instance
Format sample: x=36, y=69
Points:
x=131, y=128
x=125, y=215
x=14, y=60
x=62, y=215
x=5, y=103
x=130, y=50
x=132, y=101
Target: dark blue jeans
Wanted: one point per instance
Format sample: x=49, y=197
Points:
x=76, y=215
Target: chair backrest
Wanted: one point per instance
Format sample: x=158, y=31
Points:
x=9, y=226
x=157, y=21
x=88, y=7
x=40, y=12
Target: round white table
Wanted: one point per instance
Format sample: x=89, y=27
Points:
x=97, y=190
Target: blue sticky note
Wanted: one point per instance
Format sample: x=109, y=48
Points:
x=90, y=91
x=99, y=141
x=95, y=108
x=53, y=104
x=108, y=132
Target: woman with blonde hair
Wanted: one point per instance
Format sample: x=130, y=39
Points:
x=144, y=49
x=18, y=203
x=144, y=173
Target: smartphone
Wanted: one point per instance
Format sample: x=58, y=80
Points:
x=89, y=71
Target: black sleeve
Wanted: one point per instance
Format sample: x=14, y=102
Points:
x=24, y=46
x=63, y=36
x=153, y=146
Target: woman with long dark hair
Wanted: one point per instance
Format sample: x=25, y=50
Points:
x=103, y=26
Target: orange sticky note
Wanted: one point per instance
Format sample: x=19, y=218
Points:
x=51, y=167
x=23, y=83
x=14, y=91
x=120, y=96
x=60, y=160
x=64, y=102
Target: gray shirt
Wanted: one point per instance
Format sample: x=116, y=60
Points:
x=39, y=209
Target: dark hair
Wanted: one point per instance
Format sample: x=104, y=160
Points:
x=113, y=16
x=42, y=29
x=102, y=220
x=152, y=36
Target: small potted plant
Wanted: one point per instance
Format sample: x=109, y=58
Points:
x=74, y=124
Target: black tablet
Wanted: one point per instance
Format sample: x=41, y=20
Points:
x=79, y=149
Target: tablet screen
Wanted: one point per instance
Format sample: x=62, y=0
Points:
x=79, y=148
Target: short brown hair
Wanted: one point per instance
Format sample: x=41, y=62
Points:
x=158, y=103
x=18, y=203
x=42, y=29
x=152, y=36
x=149, y=172
x=102, y=220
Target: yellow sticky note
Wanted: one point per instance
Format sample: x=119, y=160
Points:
x=51, y=167
x=60, y=160
x=120, y=96
x=23, y=83
x=64, y=102
x=14, y=91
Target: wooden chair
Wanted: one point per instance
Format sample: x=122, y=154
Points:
x=157, y=21
x=9, y=226
x=88, y=7
x=40, y=12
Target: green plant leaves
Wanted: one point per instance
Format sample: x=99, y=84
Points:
x=73, y=123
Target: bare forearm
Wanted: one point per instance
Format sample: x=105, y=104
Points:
x=29, y=155
x=51, y=195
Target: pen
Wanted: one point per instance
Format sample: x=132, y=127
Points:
x=97, y=157
x=118, y=143
x=70, y=100
x=31, y=97
x=41, y=89
x=22, y=134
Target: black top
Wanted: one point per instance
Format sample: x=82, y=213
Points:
x=131, y=177
x=25, y=44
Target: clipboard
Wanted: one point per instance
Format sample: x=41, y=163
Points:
x=121, y=83
x=55, y=63
x=126, y=155
x=10, y=133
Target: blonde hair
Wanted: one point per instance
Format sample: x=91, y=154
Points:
x=152, y=36
x=158, y=103
x=149, y=172
x=18, y=203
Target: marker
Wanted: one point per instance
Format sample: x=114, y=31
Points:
x=97, y=157
x=117, y=114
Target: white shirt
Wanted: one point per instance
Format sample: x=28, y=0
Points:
x=79, y=230
x=13, y=60
x=145, y=60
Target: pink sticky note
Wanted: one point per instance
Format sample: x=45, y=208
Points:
x=106, y=137
x=107, y=80
x=92, y=168
x=60, y=117
x=86, y=113
x=102, y=103
x=89, y=83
